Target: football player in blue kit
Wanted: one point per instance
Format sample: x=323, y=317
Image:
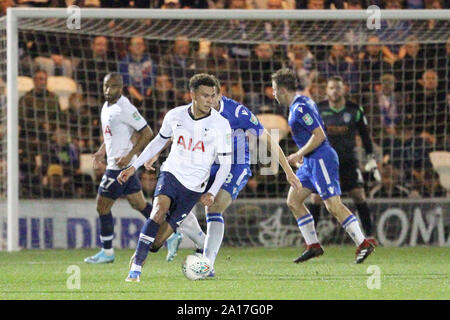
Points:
x=241, y=120
x=318, y=171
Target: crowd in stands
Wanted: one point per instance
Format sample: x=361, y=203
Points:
x=404, y=90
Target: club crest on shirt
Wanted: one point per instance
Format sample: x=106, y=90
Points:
x=347, y=117
x=307, y=119
x=254, y=120
x=136, y=116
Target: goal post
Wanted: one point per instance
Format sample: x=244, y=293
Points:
x=56, y=19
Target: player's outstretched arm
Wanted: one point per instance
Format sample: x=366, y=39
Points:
x=149, y=152
x=281, y=158
x=149, y=163
x=143, y=138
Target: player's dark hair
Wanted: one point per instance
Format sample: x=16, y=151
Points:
x=115, y=75
x=336, y=79
x=201, y=79
x=217, y=81
x=285, y=78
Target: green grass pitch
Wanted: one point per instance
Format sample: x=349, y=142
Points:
x=242, y=274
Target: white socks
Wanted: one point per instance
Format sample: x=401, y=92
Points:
x=192, y=230
x=306, y=226
x=351, y=226
x=214, y=236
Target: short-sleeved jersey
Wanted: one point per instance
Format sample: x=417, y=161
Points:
x=119, y=122
x=304, y=117
x=241, y=120
x=342, y=126
x=196, y=144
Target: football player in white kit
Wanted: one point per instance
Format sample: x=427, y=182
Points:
x=120, y=121
x=201, y=135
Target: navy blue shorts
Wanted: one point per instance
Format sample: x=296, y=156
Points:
x=110, y=188
x=183, y=199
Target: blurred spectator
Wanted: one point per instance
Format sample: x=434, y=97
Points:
x=179, y=64
x=164, y=97
x=257, y=76
x=372, y=64
x=276, y=29
x=414, y=4
x=54, y=183
x=317, y=89
x=428, y=108
x=409, y=68
x=239, y=27
x=407, y=151
x=4, y=5
x=148, y=182
x=171, y=4
x=83, y=127
x=39, y=110
x=216, y=4
x=435, y=5
x=427, y=182
x=390, y=104
x=338, y=63
x=213, y=58
x=302, y=61
x=63, y=152
x=138, y=71
x=56, y=64
x=96, y=63
x=389, y=186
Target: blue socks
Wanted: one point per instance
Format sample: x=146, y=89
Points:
x=106, y=230
x=146, y=238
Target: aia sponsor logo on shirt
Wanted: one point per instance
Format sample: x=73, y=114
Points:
x=197, y=146
x=108, y=130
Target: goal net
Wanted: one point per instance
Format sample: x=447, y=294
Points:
x=398, y=72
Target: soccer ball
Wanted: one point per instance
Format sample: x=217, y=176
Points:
x=195, y=267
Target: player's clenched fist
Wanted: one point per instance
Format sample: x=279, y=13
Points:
x=207, y=199
x=126, y=174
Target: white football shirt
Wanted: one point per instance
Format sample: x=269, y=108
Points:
x=196, y=144
x=119, y=122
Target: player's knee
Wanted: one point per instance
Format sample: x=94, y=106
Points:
x=334, y=206
x=158, y=215
x=137, y=206
x=102, y=209
x=292, y=205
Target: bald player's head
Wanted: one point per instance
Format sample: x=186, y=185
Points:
x=112, y=87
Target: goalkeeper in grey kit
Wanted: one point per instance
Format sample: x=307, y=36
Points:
x=344, y=120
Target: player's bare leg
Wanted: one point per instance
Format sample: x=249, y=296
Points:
x=164, y=232
x=305, y=222
x=350, y=224
x=106, y=255
x=137, y=202
x=211, y=242
x=161, y=205
x=358, y=196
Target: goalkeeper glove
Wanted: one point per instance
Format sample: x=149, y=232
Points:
x=371, y=166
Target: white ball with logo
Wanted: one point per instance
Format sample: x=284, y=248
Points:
x=195, y=267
